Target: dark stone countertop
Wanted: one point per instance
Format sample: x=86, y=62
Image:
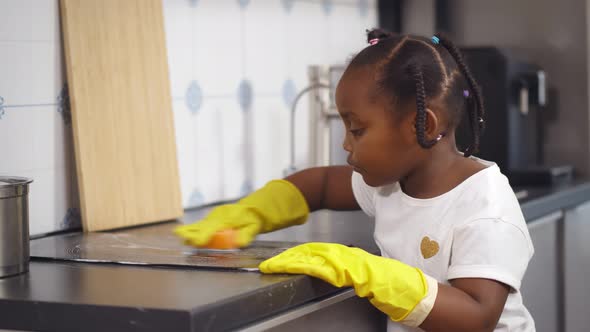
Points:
x=541, y=201
x=73, y=296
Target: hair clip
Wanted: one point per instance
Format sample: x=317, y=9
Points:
x=435, y=39
x=374, y=41
x=466, y=93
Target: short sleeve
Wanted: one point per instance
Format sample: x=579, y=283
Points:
x=364, y=194
x=491, y=249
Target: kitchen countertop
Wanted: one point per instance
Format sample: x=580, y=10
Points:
x=95, y=297
x=541, y=201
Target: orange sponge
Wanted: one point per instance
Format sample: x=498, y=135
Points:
x=224, y=239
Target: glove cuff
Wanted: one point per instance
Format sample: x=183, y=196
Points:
x=417, y=316
x=295, y=197
x=277, y=205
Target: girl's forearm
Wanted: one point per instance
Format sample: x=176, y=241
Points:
x=460, y=307
x=326, y=187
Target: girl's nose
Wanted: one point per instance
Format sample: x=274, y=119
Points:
x=346, y=144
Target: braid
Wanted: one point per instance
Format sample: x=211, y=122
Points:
x=477, y=113
x=420, y=107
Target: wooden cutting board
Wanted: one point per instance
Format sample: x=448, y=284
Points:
x=122, y=117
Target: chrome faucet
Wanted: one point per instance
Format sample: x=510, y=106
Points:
x=322, y=109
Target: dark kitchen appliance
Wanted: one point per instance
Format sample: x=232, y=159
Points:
x=514, y=93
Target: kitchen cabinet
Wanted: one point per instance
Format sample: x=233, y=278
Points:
x=577, y=268
x=342, y=312
x=541, y=283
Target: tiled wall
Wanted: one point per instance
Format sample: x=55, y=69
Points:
x=35, y=135
x=235, y=67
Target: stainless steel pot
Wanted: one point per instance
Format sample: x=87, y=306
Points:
x=14, y=225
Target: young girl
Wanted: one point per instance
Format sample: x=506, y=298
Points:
x=454, y=243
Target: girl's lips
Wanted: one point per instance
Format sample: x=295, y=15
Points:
x=355, y=168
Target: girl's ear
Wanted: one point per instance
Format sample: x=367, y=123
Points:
x=433, y=123
x=432, y=129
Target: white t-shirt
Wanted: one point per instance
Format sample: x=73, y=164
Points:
x=476, y=230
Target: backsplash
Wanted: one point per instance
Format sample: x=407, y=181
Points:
x=235, y=67
x=35, y=132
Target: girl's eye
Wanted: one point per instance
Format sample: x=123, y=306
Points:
x=357, y=132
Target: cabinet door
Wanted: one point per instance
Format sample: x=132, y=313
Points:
x=577, y=268
x=540, y=285
x=342, y=312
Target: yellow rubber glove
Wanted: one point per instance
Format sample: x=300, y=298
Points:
x=403, y=292
x=277, y=205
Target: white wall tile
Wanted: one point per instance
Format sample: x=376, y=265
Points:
x=44, y=19
x=218, y=39
x=46, y=73
x=179, y=27
x=16, y=134
x=236, y=144
x=15, y=64
x=346, y=33
x=184, y=124
x=307, y=39
x=271, y=139
x=31, y=72
x=209, y=154
x=218, y=162
x=51, y=138
x=16, y=23
x=266, y=45
x=29, y=20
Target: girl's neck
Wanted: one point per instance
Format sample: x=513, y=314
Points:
x=444, y=170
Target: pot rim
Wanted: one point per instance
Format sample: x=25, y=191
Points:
x=9, y=181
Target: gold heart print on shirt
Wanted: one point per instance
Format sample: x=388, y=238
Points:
x=428, y=247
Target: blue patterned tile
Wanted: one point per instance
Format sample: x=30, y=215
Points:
x=196, y=198
x=363, y=7
x=289, y=92
x=193, y=97
x=245, y=95
x=327, y=7
x=63, y=104
x=243, y=3
x=288, y=5
x=71, y=220
x=1, y=107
